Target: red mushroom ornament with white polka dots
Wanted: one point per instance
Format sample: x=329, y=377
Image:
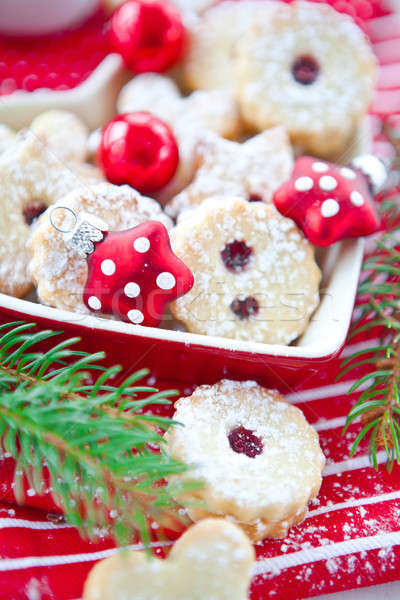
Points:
x=132, y=274
x=330, y=202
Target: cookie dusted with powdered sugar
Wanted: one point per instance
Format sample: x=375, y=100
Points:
x=189, y=117
x=212, y=39
x=310, y=69
x=59, y=272
x=255, y=274
x=31, y=178
x=7, y=137
x=258, y=458
x=64, y=133
x=253, y=170
x=212, y=560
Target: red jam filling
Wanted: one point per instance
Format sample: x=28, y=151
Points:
x=254, y=198
x=305, y=70
x=33, y=211
x=236, y=256
x=243, y=441
x=245, y=308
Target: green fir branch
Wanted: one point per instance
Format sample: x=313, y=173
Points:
x=378, y=407
x=89, y=443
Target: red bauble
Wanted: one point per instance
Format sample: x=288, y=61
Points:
x=327, y=201
x=133, y=274
x=140, y=150
x=148, y=34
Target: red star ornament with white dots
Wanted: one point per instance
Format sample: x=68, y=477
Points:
x=134, y=273
x=328, y=202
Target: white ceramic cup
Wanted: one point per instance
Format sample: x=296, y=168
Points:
x=39, y=17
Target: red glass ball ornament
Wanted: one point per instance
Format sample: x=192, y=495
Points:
x=140, y=150
x=148, y=34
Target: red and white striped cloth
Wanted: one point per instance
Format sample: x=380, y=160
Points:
x=351, y=536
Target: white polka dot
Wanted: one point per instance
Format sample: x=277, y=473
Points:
x=94, y=303
x=141, y=244
x=165, y=281
x=320, y=167
x=356, y=198
x=136, y=316
x=108, y=266
x=132, y=290
x=348, y=173
x=303, y=184
x=330, y=208
x=327, y=183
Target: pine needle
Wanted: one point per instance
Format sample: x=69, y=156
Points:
x=87, y=443
x=378, y=407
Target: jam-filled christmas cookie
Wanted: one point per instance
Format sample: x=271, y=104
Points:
x=254, y=169
x=59, y=271
x=211, y=561
x=259, y=459
x=7, y=137
x=31, y=178
x=189, y=118
x=308, y=68
x=255, y=274
x=62, y=132
x=212, y=39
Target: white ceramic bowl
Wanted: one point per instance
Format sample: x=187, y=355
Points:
x=39, y=17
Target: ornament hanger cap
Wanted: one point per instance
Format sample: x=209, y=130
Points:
x=86, y=230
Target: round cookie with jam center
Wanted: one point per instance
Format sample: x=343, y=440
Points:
x=310, y=69
x=212, y=38
x=255, y=274
x=258, y=458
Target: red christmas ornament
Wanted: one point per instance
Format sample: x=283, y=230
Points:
x=148, y=34
x=140, y=150
x=327, y=201
x=132, y=274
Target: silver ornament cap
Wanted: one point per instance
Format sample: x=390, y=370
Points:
x=87, y=230
x=373, y=168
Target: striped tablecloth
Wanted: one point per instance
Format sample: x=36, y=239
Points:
x=351, y=536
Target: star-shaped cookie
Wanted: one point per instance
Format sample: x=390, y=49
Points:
x=189, y=117
x=252, y=170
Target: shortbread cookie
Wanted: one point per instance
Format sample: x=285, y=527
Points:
x=31, y=178
x=188, y=117
x=7, y=137
x=254, y=169
x=64, y=133
x=209, y=63
x=59, y=272
x=211, y=561
x=310, y=69
x=255, y=274
x=258, y=458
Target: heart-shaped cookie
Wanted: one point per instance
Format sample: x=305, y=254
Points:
x=211, y=561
